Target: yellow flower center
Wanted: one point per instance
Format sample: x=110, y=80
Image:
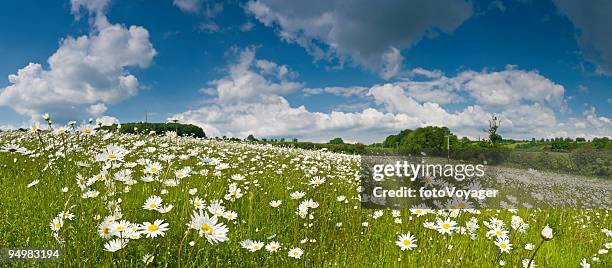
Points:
x=153, y=169
x=112, y=156
x=152, y=205
x=105, y=230
x=446, y=225
x=503, y=246
x=57, y=225
x=152, y=228
x=406, y=242
x=207, y=229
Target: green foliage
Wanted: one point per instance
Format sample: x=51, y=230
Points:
x=494, y=138
x=251, y=138
x=336, y=141
x=593, y=161
x=429, y=138
x=159, y=128
x=602, y=143
x=393, y=141
x=347, y=148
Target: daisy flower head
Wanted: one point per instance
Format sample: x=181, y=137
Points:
x=497, y=231
x=153, y=168
x=445, y=226
x=273, y=247
x=406, y=241
x=255, y=246
x=56, y=224
x=208, y=227
x=114, y=153
x=296, y=253
x=316, y=181
x=119, y=227
x=104, y=230
x=230, y=215
x=153, y=203
x=152, y=230
x=246, y=244
x=275, y=203
x=584, y=263
x=115, y=244
x=197, y=203
x=66, y=215
x=503, y=243
x=297, y=195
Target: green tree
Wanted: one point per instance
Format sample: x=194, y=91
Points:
x=337, y=140
x=393, y=141
x=251, y=138
x=429, y=138
x=494, y=138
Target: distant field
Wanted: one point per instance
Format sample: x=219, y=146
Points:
x=123, y=200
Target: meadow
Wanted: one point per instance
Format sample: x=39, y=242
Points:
x=110, y=199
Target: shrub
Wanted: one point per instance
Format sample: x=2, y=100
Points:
x=159, y=128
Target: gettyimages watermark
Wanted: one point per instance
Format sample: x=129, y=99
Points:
x=432, y=181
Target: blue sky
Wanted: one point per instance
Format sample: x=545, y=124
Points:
x=277, y=69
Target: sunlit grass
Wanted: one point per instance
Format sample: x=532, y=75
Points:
x=336, y=233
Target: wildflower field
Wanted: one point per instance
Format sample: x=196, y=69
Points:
x=108, y=199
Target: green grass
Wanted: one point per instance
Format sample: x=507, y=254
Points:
x=271, y=173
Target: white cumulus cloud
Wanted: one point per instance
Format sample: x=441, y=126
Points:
x=85, y=73
x=250, y=100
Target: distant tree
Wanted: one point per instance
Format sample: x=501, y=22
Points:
x=337, y=140
x=601, y=143
x=393, y=141
x=251, y=138
x=158, y=128
x=282, y=139
x=429, y=138
x=580, y=139
x=295, y=140
x=494, y=123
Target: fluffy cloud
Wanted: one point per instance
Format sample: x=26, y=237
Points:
x=252, y=80
x=192, y=6
x=491, y=89
x=592, y=21
x=369, y=37
x=250, y=101
x=276, y=118
x=85, y=73
x=204, y=9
